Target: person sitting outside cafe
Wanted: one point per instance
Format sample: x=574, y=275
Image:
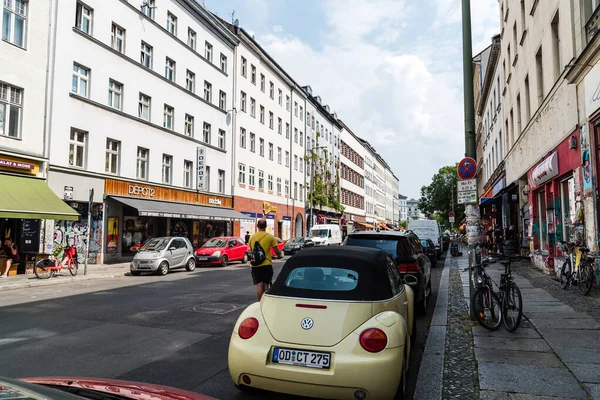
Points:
x=10, y=251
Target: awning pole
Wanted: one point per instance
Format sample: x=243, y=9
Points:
x=89, y=230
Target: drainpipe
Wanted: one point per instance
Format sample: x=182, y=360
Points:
x=291, y=155
x=49, y=85
x=234, y=119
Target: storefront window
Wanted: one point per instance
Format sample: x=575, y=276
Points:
x=136, y=231
x=542, y=218
x=567, y=201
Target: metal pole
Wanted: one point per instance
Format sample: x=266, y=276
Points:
x=89, y=230
x=472, y=211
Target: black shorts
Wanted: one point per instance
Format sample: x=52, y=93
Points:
x=263, y=274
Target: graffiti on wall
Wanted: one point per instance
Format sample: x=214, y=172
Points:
x=74, y=233
x=586, y=164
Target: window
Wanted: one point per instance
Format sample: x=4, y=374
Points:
x=11, y=100
x=278, y=185
x=142, y=163
x=280, y=97
x=287, y=103
x=221, y=139
x=295, y=162
x=295, y=190
x=168, y=115
x=117, y=38
x=301, y=114
x=170, y=69
x=539, y=69
x=243, y=101
x=295, y=135
x=146, y=55
x=84, y=19
x=251, y=176
x=287, y=158
x=523, y=27
x=80, y=81
x=287, y=187
x=221, y=181
x=271, y=90
x=287, y=130
x=301, y=164
x=301, y=193
x=207, y=178
x=188, y=168
x=279, y=155
x=262, y=83
x=148, y=7
x=144, y=107
x=519, y=128
x=241, y=173
x=222, y=100
x=271, y=151
x=244, y=67
x=77, y=148
x=206, y=128
x=189, y=125
x=261, y=147
x=167, y=169
x=252, y=142
x=242, y=138
x=543, y=227
x=208, y=51
x=270, y=119
x=262, y=114
x=279, y=125
x=556, y=56
x=261, y=180
x=190, y=81
x=527, y=100
x=223, y=62
x=295, y=108
x=252, y=107
x=111, y=164
x=191, y=41
x=115, y=93
x=301, y=139
x=171, y=24
x=270, y=183
x=207, y=91
x=253, y=74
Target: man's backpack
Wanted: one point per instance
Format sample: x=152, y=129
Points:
x=258, y=253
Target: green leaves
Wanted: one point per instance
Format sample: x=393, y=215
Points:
x=436, y=198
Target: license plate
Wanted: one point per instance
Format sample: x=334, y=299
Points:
x=310, y=359
x=202, y=258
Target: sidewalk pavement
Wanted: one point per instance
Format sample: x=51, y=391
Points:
x=554, y=354
x=94, y=271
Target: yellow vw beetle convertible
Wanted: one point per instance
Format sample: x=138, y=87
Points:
x=335, y=324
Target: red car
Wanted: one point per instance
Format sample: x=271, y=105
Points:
x=222, y=250
x=280, y=246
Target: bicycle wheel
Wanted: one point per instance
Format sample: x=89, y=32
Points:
x=42, y=268
x=73, y=267
x=586, y=278
x=564, y=274
x=488, y=309
x=512, y=307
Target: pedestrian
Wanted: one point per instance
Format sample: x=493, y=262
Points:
x=11, y=251
x=262, y=274
x=247, y=237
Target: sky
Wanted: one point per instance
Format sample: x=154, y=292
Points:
x=391, y=69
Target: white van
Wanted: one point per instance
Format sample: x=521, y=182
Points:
x=326, y=235
x=428, y=229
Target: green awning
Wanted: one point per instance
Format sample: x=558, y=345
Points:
x=31, y=198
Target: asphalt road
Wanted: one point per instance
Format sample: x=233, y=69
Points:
x=171, y=330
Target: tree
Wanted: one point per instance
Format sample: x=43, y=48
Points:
x=436, y=198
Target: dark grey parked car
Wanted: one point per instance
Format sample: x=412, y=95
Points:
x=163, y=254
x=295, y=244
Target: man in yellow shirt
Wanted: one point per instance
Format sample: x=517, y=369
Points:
x=262, y=274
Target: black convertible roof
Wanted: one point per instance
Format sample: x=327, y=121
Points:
x=370, y=264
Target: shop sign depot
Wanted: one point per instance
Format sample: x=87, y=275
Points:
x=214, y=201
x=141, y=191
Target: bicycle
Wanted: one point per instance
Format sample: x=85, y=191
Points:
x=583, y=272
x=47, y=267
x=509, y=292
x=487, y=304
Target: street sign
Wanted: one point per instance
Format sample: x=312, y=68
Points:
x=201, y=163
x=451, y=214
x=451, y=219
x=467, y=186
x=467, y=168
x=467, y=197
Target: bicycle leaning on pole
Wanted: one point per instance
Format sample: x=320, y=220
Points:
x=47, y=267
x=583, y=273
x=509, y=293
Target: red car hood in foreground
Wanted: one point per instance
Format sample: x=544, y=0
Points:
x=128, y=389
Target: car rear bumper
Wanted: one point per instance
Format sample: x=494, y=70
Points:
x=351, y=369
x=209, y=260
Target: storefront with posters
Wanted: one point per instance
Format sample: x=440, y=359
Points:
x=283, y=220
x=555, y=207
x=137, y=212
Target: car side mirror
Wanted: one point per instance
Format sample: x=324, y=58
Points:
x=172, y=248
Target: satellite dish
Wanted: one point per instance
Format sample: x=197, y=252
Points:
x=228, y=119
x=236, y=22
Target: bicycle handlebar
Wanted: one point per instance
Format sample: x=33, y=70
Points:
x=511, y=257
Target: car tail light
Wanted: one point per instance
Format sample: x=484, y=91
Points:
x=373, y=340
x=248, y=328
x=408, y=268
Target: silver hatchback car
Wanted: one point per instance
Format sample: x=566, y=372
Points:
x=163, y=254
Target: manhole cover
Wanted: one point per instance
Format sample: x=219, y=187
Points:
x=215, y=308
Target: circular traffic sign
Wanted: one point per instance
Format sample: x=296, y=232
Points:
x=467, y=168
x=451, y=214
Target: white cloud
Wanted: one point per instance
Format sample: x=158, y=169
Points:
x=277, y=28
x=406, y=101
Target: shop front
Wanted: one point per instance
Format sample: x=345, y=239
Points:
x=555, y=207
x=137, y=212
x=283, y=220
x=27, y=210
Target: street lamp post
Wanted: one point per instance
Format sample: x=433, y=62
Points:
x=312, y=177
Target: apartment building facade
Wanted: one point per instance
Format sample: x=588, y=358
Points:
x=352, y=167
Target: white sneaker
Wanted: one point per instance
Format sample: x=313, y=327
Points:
x=2, y=276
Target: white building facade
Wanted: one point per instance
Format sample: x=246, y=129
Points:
x=403, y=207
x=352, y=170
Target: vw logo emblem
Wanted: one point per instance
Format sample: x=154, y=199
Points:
x=307, y=323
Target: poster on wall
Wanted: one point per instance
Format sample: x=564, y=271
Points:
x=286, y=228
x=270, y=223
x=112, y=235
x=135, y=232
x=248, y=225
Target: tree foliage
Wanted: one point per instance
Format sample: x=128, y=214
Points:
x=436, y=198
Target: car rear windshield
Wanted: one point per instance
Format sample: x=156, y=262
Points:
x=322, y=279
x=215, y=243
x=396, y=247
x=294, y=240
